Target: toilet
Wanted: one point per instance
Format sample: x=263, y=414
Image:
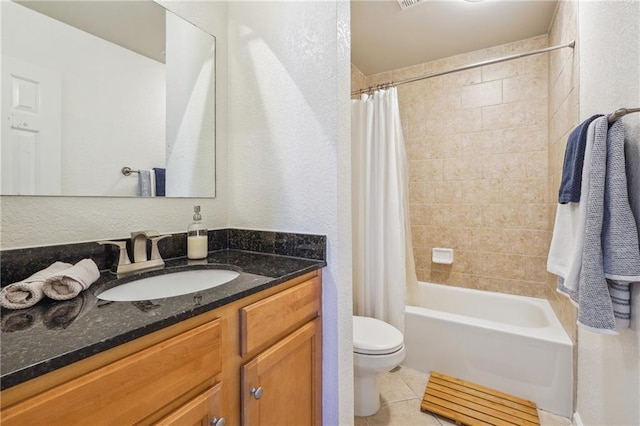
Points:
x=377, y=348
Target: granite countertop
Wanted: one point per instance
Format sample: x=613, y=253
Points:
x=53, y=334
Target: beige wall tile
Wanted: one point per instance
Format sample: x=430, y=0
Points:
x=382, y=78
x=527, y=191
x=477, y=144
x=536, y=269
x=537, y=64
x=419, y=236
x=483, y=94
x=417, y=192
x=537, y=216
x=469, y=120
x=502, y=70
x=503, y=216
x=445, y=146
x=482, y=191
x=563, y=117
x=425, y=215
x=535, y=164
x=524, y=88
x=500, y=265
x=358, y=80
x=443, y=192
x=514, y=114
x=465, y=215
x=505, y=166
x=416, y=149
x=461, y=78
x=463, y=168
x=524, y=139
x=425, y=170
x=483, y=142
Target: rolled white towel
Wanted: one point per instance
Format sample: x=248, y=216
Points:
x=28, y=292
x=69, y=283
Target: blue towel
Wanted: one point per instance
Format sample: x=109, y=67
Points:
x=573, y=162
x=160, y=181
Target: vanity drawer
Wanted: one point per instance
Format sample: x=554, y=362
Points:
x=130, y=389
x=265, y=321
x=205, y=409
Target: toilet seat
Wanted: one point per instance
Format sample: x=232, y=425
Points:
x=372, y=336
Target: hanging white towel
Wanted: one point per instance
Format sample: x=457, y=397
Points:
x=565, y=253
x=146, y=183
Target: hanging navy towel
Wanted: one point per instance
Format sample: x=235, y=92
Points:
x=573, y=162
x=160, y=181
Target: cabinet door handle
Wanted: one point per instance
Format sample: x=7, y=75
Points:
x=256, y=392
x=218, y=421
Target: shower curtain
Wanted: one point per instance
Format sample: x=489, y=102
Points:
x=383, y=263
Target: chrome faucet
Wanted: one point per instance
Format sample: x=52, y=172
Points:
x=139, y=244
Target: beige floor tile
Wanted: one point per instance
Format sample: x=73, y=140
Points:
x=403, y=413
x=393, y=388
x=416, y=380
x=549, y=419
x=444, y=421
x=360, y=421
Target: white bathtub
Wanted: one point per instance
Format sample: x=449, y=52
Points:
x=510, y=343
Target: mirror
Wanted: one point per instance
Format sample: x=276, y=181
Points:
x=92, y=87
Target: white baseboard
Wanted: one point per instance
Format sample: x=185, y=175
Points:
x=577, y=421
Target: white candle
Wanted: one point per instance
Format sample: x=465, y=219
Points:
x=197, y=247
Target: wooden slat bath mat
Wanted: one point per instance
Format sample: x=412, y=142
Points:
x=466, y=403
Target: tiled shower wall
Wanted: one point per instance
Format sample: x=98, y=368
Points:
x=477, y=149
x=563, y=118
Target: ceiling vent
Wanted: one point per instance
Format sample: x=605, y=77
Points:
x=405, y=4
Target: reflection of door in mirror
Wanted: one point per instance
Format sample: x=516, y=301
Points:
x=31, y=129
x=114, y=106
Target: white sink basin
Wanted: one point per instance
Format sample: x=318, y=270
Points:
x=168, y=285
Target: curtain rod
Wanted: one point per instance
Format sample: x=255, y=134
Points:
x=570, y=44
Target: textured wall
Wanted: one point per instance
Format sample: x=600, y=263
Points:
x=476, y=143
x=288, y=126
x=609, y=366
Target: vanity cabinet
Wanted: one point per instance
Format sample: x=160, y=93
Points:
x=281, y=385
x=196, y=372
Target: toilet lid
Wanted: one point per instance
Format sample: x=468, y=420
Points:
x=372, y=336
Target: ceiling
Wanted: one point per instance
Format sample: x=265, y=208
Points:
x=384, y=37
x=136, y=25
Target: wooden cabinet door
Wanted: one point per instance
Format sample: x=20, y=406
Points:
x=282, y=385
x=203, y=410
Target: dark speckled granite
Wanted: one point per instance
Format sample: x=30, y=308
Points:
x=53, y=334
x=16, y=265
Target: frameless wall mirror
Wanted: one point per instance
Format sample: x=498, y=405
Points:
x=92, y=87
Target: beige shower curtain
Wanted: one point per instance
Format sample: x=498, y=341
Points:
x=382, y=251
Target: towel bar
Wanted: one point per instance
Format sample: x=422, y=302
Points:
x=128, y=170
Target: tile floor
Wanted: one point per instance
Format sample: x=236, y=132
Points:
x=401, y=392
